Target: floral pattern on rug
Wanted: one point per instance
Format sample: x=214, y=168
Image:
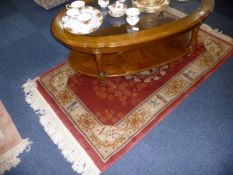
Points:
x=109, y=130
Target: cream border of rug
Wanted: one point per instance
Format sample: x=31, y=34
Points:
x=70, y=148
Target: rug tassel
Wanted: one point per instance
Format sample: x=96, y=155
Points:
x=70, y=148
x=10, y=159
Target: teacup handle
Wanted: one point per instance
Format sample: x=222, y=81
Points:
x=68, y=6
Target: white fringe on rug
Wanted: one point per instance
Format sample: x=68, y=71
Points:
x=70, y=148
x=10, y=158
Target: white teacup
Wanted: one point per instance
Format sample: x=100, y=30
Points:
x=84, y=18
x=132, y=16
x=72, y=13
x=79, y=5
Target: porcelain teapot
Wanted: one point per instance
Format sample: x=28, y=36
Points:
x=117, y=10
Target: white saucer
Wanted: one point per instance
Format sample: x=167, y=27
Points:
x=73, y=25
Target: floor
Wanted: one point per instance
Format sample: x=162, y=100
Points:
x=196, y=138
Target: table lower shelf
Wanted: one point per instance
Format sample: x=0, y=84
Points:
x=133, y=61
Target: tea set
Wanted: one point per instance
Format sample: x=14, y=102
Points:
x=82, y=19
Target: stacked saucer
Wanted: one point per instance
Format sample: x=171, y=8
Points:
x=88, y=20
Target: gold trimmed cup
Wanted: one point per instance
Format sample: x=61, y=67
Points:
x=78, y=5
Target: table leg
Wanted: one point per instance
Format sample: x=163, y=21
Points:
x=99, y=64
x=193, y=39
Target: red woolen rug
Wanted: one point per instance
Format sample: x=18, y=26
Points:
x=95, y=124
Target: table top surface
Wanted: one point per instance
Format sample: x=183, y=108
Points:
x=118, y=25
x=115, y=32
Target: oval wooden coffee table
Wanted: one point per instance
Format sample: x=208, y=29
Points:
x=115, y=49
